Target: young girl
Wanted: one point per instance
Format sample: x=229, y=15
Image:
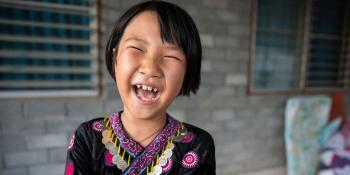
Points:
x=154, y=55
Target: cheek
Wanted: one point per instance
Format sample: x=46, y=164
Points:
x=176, y=76
x=124, y=68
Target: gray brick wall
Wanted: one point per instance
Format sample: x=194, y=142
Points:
x=248, y=130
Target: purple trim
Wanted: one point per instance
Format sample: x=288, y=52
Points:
x=141, y=162
x=129, y=145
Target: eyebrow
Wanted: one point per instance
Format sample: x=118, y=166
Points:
x=138, y=40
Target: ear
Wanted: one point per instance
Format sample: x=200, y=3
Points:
x=114, y=55
x=114, y=62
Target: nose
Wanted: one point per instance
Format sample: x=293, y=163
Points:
x=150, y=67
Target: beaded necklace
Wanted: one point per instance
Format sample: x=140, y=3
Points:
x=122, y=161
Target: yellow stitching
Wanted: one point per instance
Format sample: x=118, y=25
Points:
x=152, y=166
x=123, y=155
x=110, y=132
x=107, y=122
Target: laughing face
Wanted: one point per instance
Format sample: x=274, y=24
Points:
x=149, y=71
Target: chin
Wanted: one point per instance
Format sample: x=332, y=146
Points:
x=147, y=114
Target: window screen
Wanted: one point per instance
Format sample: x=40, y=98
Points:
x=300, y=45
x=326, y=66
x=276, y=50
x=48, y=46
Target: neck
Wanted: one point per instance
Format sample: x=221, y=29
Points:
x=141, y=130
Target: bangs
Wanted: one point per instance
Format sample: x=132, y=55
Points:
x=169, y=32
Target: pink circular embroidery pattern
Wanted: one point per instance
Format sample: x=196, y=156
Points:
x=167, y=166
x=96, y=125
x=71, y=142
x=108, y=158
x=69, y=168
x=190, y=160
x=188, y=138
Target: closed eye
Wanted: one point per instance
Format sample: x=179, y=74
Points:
x=173, y=58
x=135, y=48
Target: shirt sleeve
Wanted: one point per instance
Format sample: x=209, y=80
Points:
x=204, y=153
x=79, y=152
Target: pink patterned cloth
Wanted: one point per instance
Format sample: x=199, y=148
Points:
x=69, y=168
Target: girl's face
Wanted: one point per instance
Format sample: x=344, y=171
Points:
x=149, y=72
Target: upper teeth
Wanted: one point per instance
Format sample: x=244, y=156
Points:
x=147, y=88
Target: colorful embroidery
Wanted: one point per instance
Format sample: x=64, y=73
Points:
x=69, y=168
x=129, y=145
x=149, y=154
x=166, y=168
x=108, y=158
x=188, y=138
x=97, y=126
x=190, y=160
x=71, y=142
x=143, y=157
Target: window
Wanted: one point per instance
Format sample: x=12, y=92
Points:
x=49, y=48
x=300, y=46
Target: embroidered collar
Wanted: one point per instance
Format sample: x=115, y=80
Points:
x=143, y=157
x=128, y=144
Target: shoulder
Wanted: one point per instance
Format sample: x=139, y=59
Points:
x=198, y=131
x=92, y=126
x=199, y=135
x=95, y=123
x=87, y=134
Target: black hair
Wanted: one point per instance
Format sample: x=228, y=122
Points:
x=176, y=27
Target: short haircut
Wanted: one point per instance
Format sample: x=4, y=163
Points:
x=176, y=27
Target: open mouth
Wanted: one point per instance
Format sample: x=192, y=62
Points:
x=146, y=93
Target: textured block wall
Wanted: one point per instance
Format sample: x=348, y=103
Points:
x=248, y=130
